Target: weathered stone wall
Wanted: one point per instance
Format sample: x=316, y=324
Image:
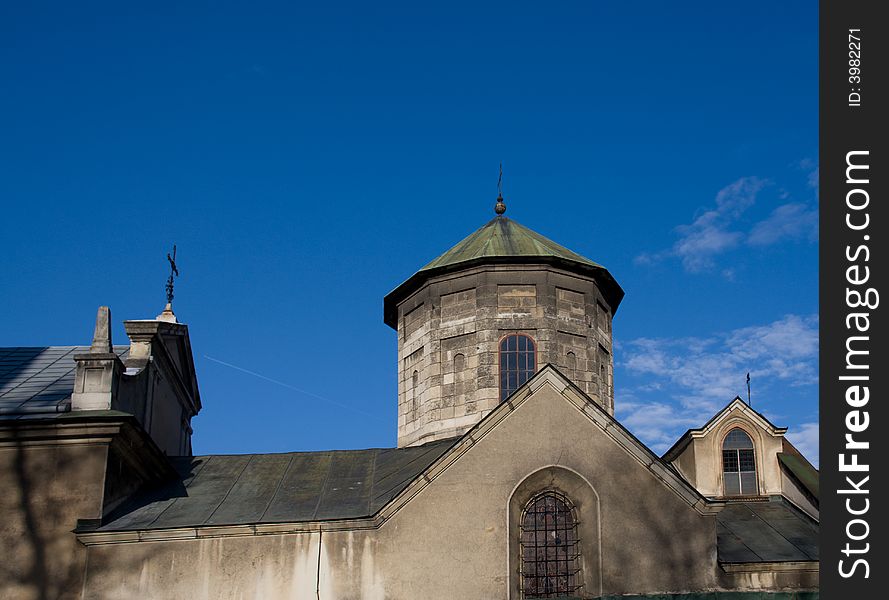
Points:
x=449, y=333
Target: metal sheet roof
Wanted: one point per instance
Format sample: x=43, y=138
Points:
x=277, y=488
x=503, y=241
x=39, y=380
x=802, y=470
x=773, y=531
x=504, y=237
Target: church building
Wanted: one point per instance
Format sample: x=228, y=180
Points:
x=511, y=477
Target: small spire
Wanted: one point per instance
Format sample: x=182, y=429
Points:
x=102, y=335
x=500, y=207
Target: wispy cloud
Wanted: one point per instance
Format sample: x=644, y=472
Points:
x=711, y=232
x=787, y=222
x=680, y=383
x=811, y=169
x=813, y=178
x=721, y=228
x=656, y=423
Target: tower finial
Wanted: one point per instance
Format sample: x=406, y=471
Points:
x=173, y=271
x=500, y=207
x=168, y=315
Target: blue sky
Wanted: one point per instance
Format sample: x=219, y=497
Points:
x=307, y=158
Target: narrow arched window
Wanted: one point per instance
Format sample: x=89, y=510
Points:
x=415, y=379
x=518, y=362
x=738, y=464
x=571, y=364
x=550, y=548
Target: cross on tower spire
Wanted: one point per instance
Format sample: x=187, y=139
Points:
x=174, y=271
x=167, y=314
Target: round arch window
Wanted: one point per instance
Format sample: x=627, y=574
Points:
x=550, y=548
x=518, y=362
x=738, y=464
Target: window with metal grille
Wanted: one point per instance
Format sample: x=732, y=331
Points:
x=738, y=464
x=550, y=565
x=518, y=362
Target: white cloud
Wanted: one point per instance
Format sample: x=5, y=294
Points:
x=711, y=232
x=805, y=438
x=792, y=336
x=680, y=383
x=787, y=222
x=655, y=423
x=813, y=178
x=719, y=229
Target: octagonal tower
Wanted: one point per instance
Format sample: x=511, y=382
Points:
x=480, y=319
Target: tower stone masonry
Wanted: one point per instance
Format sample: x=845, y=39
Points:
x=452, y=315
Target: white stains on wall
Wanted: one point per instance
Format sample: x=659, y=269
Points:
x=371, y=581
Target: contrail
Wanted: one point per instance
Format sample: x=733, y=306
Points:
x=290, y=387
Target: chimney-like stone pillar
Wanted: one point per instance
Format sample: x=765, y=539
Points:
x=98, y=371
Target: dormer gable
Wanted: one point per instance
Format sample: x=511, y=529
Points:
x=737, y=454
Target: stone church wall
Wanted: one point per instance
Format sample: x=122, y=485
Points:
x=449, y=333
x=637, y=536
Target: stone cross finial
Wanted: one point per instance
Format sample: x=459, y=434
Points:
x=102, y=336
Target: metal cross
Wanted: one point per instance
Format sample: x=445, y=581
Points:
x=173, y=271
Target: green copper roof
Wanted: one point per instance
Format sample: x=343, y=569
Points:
x=503, y=241
x=502, y=237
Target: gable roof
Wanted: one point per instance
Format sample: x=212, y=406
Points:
x=260, y=489
x=736, y=404
x=276, y=488
x=262, y=493
x=38, y=381
x=503, y=241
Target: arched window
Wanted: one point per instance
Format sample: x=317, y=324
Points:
x=550, y=548
x=518, y=363
x=415, y=379
x=738, y=464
